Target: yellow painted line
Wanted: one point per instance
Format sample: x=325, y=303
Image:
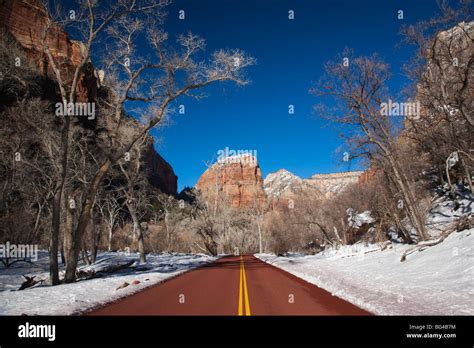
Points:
x=243, y=292
x=247, y=304
x=240, y=289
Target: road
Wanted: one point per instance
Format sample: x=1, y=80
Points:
x=234, y=285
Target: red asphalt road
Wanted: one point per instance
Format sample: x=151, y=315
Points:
x=225, y=287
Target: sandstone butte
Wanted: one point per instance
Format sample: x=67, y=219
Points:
x=235, y=181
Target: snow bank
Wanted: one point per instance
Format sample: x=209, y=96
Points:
x=67, y=299
x=436, y=281
x=445, y=211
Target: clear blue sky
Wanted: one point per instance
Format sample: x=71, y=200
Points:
x=290, y=55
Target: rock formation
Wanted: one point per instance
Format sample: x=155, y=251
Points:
x=236, y=181
x=284, y=189
x=26, y=20
x=331, y=184
x=367, y=175
x=162, y=175
x=283, y=186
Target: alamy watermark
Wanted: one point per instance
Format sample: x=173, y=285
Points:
x=76, y=109
x=226, y=156
x=19, y=251
x=407, y=109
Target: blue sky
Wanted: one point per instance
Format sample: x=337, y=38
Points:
x=290, y=56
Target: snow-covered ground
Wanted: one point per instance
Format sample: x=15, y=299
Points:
x=439, y=280
x=445, y=211
x=66, y=299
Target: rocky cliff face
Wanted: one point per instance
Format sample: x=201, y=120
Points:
x=239, y=184
x=285, y=189
x=162, y=175
x=26, y=20
x=331, y=184
x=367, y=176
x=236, y=181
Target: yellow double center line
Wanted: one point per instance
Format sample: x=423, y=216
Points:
x=243, y=293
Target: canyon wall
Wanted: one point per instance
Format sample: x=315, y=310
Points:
x=26, y=21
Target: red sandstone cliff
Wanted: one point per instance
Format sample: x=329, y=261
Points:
x=236, y=181
x=26, y=20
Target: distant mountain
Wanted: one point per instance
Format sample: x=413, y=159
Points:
x=331, y=184
x=283, y=188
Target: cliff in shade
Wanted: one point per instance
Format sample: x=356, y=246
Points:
x=235, y=181
x=162, y=175
x=25, y=20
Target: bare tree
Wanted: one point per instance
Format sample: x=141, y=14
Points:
x=135, y=194
x=442, y=71
x=109, y=208
x=359, y=90
x=153, y=83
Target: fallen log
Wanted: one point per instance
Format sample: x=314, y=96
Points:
x=101, y=269
x=459, y=225
x=29, y=282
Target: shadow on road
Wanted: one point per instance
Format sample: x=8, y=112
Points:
x=233, y=262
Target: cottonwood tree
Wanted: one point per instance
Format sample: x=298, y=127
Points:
x=169, y=212
x=358, y=90
x=151, y=75
x=136, y=197
x=109, y=207
x=442, y=71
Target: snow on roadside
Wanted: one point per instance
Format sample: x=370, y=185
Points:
x=67, y=299
x=436, y=281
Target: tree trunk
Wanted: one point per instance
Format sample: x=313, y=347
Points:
x=168, y=232
x=409, y=199
x=95, y=240
x=69, y=237
x=260, y=250
x=467, y=173
x=138, y=230
x=56, y=220
x=63, y=259
x=85, y=254
x=54, y=242
x=109, y=246
x=84, y=218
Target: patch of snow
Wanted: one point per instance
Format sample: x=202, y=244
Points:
x=439, y=280
x=356, y=220
x=277, y=183
x=446, y=211
x=67, y=299
x=453, y=159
